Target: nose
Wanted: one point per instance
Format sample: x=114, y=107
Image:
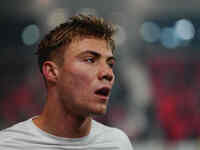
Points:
x=106, y=74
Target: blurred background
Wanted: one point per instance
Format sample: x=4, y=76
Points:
x=156, y=97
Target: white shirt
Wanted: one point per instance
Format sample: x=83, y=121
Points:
x=27, y=136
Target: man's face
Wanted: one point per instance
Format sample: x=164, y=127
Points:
x=86, y=77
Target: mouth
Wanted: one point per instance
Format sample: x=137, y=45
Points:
x=103, y=92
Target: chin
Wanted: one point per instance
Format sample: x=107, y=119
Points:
x=99, y=112
x=94, y=110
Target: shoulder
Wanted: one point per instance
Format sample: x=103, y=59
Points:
x=101, y=128
x=14, y=132
x=116, y=135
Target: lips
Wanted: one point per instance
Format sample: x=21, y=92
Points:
x=104, y=91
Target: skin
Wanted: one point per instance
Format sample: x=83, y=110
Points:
x=71, y=99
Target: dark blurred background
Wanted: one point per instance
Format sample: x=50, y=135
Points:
x=156, y=98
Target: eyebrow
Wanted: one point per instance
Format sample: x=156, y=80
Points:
x=98, y=55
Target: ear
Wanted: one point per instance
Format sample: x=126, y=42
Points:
x=50, y=71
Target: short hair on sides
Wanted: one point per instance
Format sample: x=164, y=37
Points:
x=51, y=47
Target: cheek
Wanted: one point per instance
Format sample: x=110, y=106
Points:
x=78, y=77
x=83, y=77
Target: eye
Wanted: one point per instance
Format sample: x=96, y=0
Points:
x=111, y=65
x=90, y=60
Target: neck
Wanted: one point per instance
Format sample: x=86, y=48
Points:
x=56, y=121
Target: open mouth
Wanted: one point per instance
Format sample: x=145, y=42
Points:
x=103, y=92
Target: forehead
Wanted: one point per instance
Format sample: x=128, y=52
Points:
x=82, y=45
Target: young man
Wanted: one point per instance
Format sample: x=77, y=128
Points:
x=76, y=60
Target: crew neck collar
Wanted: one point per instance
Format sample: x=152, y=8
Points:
x=58, y=138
